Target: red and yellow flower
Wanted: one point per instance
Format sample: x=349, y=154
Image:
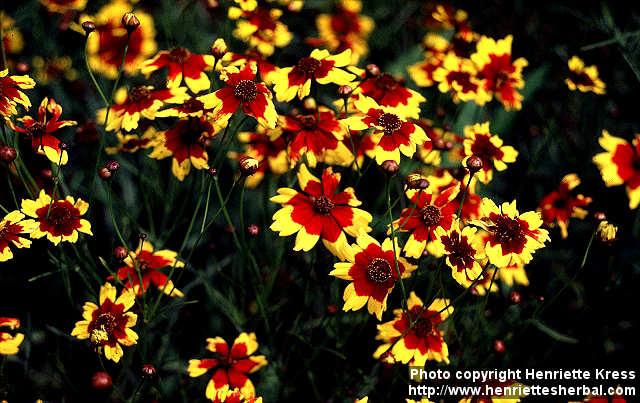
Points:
x=10, y=94
x=105, y=47
x=181, y=64
x=561, y=204
x=260, y=28
x=231, y=366
x=131, y=143
x=442, y=179
x=320, y=67
x=463, y=251
x=416, y=344
x=64, y=6
x=10, y=343
x=460, y=77
x=108, y=324
x=620, y=164
x=391, y=92
x=479, y=141
x=41, y=130
x=512, y=274
x=12, y=40
x=58, y=220
x=511, y=237
x=228, y=395
x=320, y=211
x=584, y=78
x=11, y=227
x=371, y=269
x=269, y=148
x=392, y=133
x=266, y=69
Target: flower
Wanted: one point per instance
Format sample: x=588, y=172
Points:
x=620, y=164
x=460, y=77
x=58, y=220
x=513, y=274
x=41, y=131
x=584, y=78
x=560, y=205
x=260, y=28
x=442, y=179
x=64, y=6
x=320, y=67
x=231, y=366
x=13, y=40
x=144, y=265
x=413, y=337
x=242, y=91
x=606, y=231
x=268, y=147
x=11, y=227
x=512, y=237
x=181, y=64
x=266, y=70
x=105, y=46
x=488, y=147
x=501, y=76
x=131, y=143
x=392, y=133
x=463, y=250
x=388, y=91
x=373, y=273
x=108, y=324
x=9, y=344
x=319, y=211
x=426, y=213
x=228, y=395
x=10, y=94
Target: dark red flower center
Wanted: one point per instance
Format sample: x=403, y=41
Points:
x=581, y=78
x=245, y=90
x=4, y=231
x=192, y=105
x=139, y=94
x=191, y=131
x=387, y=82
x=560, y=203
x=322, y=205
x=507, y=230
x=423, y=326
x=179, y=55
x=431, y=215
x=37, y=129
x=461, y=253
x=101, y=329
x=389, y=122
x=378, y=271
x=308, y=65
x=59, y=214
x=308, y=121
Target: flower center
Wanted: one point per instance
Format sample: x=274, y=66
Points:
x=192, y=105
x=581, y=78
x=4, y=230
x=308, y=121
x=423, y=327
x=431, y=215
x=323, y=205
x=507, y=229
x=36, y=130
x=387, y=82
x=179, y=55
x=245, y=90
x=378, y=271
x=102, y=328
x=308, y=65
x=560, y=203
x=59, y=215
x=389, y=122
x=139, y=94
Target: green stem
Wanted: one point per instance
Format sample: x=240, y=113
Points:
x=395, y=253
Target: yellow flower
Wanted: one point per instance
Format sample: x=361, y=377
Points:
x=479, y=141
x=10, y=344
x=63, y=6
x=11, y=227
x=584, y=78
x=460, y=77
x=606, y=231
x=260, y=29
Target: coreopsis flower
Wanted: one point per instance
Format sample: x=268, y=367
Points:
x=131, y=143
x=64, y=6
x=12, y=226
x=235, y=395
x=606, y=231
x=479, y=141
x=512, y=274
x=106, y=44
x=511, y=237
x=500, y=75
x=442, y=179
x=41, y=131
x=266, y=69
x=10, y=343
x=426, y=213
x=145, y=264
x=58, y=220
x=584, y=78
x=181, y=64
x=422, y=72
x=108, y=324
x=392, y=133
x=139, y=102
x=561, y=204
x=460, y=77
x=416, y=344
x=12, y=40
x=320, y=67
x=391, y=92
x=269, y=148
x=372, y=272
x=231, y=365
x=10, y=94
x=619, y=164
x=260, y=29
x=185, y=142
x=319, y=211
x=46, y=71
x=463, y=251
x=241, y=91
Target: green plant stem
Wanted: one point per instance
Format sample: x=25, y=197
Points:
x=395, y=252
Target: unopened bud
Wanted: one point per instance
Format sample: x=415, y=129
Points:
x=416, y=181
x=120, y=252
x=474, y=163
x=101, y=380
x=372, y=70
x=248, y=165
x=104, y=173
x=219, y=48
x=148, y=371
x=130, y=22
x=253, y=230
x=390, y=167
x=344, y=91
x=89, y=27
x=8, y=154
x=112, y=165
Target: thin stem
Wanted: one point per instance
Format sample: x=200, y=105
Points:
x=464, y=194
x=395, y=253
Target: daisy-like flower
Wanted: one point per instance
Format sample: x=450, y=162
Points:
x=620, y=164
x=388, y=91
x=260, y=28
x=181, y=65
x=108, y=324
x=139, y=102
x=58, y=220
x=512, y=274
x=231, y=365
x=131, y=143
x=426, y=213
x=463, y=251
x=511, y=237
x=584, y=78
x=479, y=141
x=10, y=343
x=64, y=6
x=13, y=40
x=460, y=77
x=11, y=227
x=269, y=148
x=10, y=94
x=561, y=204
x=320, y=67
x=392, y=133
x=416, y=344
x=320, y=211
x=107, y=43
x=371, y=269
x=228, y=395
x=501, y=76
x=186, y=143
x=145, y=263
x=442, y=179
x=266, y=69
x=606, y=231
x=41, y=131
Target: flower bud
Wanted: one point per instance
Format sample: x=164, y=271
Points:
x=142, y=236
x=89, y=27
x=474, y=163
x=310, y=104
x=248, y=165
x=498, y=346
x=148, y=371
x=253, y=230
x=130, y=22
x=104, y=173
x=63, y=146
x=599, y=216
x=332, y=309
x=101, y=380
x=390, y=167
x=112, y=165
x=23, y=67
x=212, y=172
x=344, y=91
x=515, y=297
x=120, y=252
x=416, y=181
x=438, y=143
x=219, y=48
x=606, y=231
x=372, y=70
x=8, y=154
